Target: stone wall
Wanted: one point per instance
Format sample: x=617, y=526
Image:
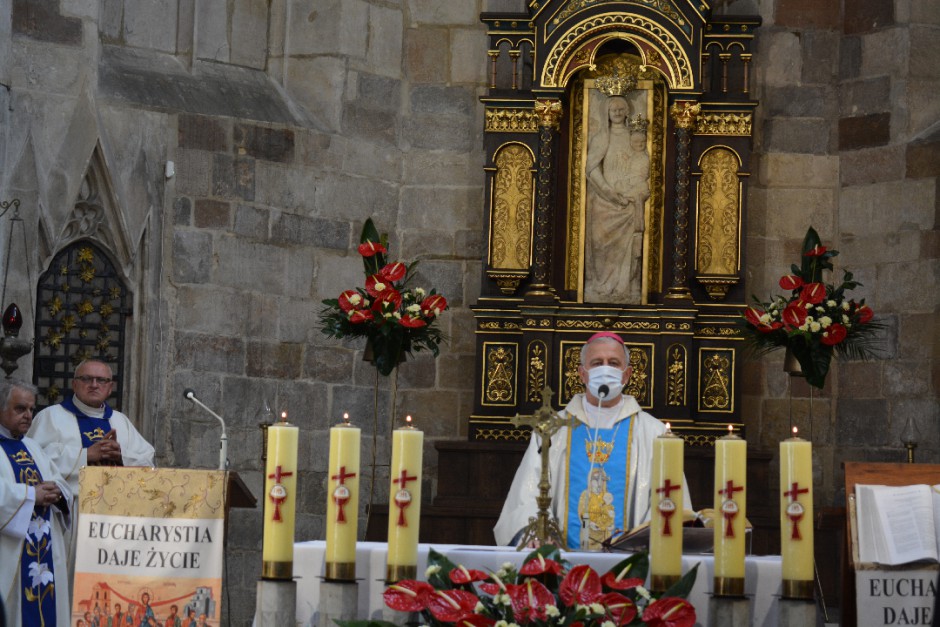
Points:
x=290, y=122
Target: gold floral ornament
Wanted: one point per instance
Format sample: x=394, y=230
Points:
x=84, y=308
x=87, y=274
x=54, y=305
x=53, y=338
x=86, y=255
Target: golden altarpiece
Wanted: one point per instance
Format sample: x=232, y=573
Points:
x=617, y=143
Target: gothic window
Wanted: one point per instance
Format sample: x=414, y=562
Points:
x=82, y=310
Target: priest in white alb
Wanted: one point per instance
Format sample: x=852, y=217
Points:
x=34, y=519
x=84, y=430
x=600, y=469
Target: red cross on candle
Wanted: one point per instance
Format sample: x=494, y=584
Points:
x=795, y=509
x=341, y=493
x=403, y=497
x=729, y=507
x=278, y=492
x=666, y=506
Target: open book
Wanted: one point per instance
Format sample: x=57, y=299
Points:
x=897, y=524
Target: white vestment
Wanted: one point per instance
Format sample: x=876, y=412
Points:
x=16, y=506
x=520, y=502
x=56, y=430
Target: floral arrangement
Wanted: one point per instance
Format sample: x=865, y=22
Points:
x=816, y=320
x=544, y=591
x=396, y=320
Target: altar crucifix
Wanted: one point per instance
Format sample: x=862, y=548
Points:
x=545, y=422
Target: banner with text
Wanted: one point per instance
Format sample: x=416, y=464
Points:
x=149, y=547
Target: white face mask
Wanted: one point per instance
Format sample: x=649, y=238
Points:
x=605, y=377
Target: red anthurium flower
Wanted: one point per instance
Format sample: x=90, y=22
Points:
x=370, y=249
x=815, y=251
x=794, y=315
x=581, y=585
x=790, y=282
x=408, y=595
x=769, y=328
x=539, y=565
x=433, y=305
x=375, y=285
x=529, y=600
x=752, y=315
x=387, y=300
x=393, y=272
x=618, y=581
x=349, y=300
x=359, y=316
x=475, y=620
x=461, y=575
x=490, y=588
x=620, y=609
x=669, y=612
x=412, y=323
x=813, y=293
x=865, y=314
x=451, y=605
x=833, y=335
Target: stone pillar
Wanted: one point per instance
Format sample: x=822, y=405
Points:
x=339, y=600
x=683, y=113
x=276, y=603
x=549, y=112
x=729, y=611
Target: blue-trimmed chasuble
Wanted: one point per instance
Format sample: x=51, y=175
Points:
x=91, y=429
x=594, y=512
x=37, y=575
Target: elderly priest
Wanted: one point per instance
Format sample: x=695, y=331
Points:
x=600, y=469
x=34, y=502
x=84, y=430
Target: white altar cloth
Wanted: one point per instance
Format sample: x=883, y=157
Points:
x=761, y=582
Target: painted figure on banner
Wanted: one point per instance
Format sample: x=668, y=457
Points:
x=84, y=430
x=617, y=180
x=34, y=519
x=600, y=464
x=173, y=620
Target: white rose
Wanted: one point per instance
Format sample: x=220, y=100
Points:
x=845, y=305
x=413, y=308
x=552, y=611
x=831, y=303
x=815, y=327
x=420, y=292
x=355, y=299
x=825, y=321
x=379, y=286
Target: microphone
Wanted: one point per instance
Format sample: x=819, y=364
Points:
x=190, y=395
x=603, y=391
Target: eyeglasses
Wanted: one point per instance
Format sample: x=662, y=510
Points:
x=99, y=380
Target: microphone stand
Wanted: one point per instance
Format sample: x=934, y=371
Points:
x=223, y=439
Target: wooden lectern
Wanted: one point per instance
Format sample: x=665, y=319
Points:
x=892, y=474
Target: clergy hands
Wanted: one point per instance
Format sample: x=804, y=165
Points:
x=47, y=493
x=105, y=450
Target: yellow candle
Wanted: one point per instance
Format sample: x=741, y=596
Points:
x=666, y=507
x=796, y=517
x=280, y=485
x=730, y=512
x=404, y=508
x=342, y=503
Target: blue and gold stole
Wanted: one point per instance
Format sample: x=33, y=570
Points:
x=91, y=429
x=608, y=504
x=37, y=575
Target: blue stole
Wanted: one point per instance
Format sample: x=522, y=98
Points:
x=37, y=575
x=91, y=429
x=607, y=506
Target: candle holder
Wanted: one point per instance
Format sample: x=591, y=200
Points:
x=909, y=437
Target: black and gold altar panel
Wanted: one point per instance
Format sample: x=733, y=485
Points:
x=617, y=140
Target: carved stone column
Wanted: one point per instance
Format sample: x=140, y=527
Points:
x=549, y=112
x=683, y=113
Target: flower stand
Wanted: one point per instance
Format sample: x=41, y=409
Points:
x=729, y=611
x=339, y=600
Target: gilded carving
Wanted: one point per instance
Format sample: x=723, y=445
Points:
x=675, y=375
x=719, y=214
x=720, y=331
x=536, y=354
x=663, y=6
x=497, y=326
x=639, y=384
x=730, y=123
x=511, y=121
x=549, y=113
x=684, y=113
x=501, y=433
x=715, y=382
x=571, y=381
x=499, y=374
x=678, y=66
x=513, y=195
